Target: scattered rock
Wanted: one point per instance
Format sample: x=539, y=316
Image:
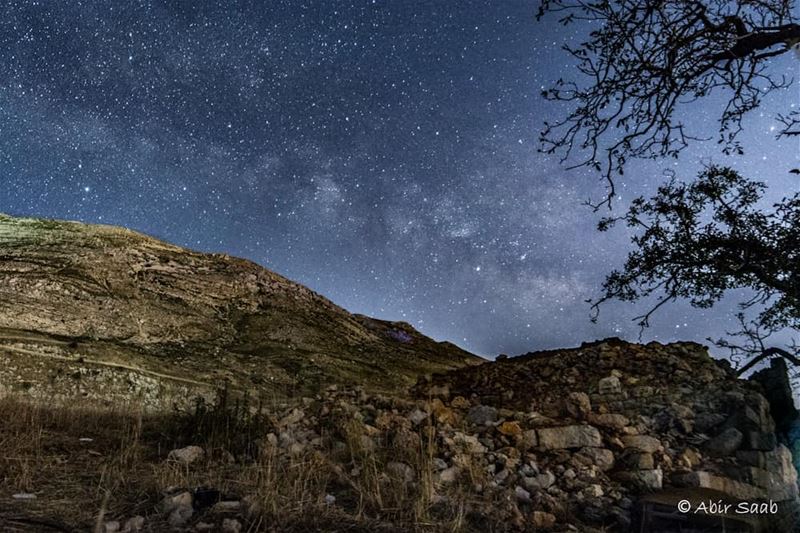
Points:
x=186, y=455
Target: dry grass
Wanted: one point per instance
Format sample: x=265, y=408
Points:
x=122, y=471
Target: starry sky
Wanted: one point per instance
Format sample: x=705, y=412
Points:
x=384, y=153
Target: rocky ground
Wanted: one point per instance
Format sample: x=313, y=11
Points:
x=590, y=439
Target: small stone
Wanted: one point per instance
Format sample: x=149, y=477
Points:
x=609, y=385
x=501, y=476
x=449, y=475
x=231, y=525
x=112, y=526
x=459, y=402
x=134, y=524
x=482, y=415
x=541, y=482
x=330, y=499
x=186, y=455
x=522, y=495
x=542, y=520
x=510, y=429
x=401, y=471
x=180, y=500
x=690, y=457
x=417, y=416
x=180, y=516
x=593, y=491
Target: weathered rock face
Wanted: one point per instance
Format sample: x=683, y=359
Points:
x=101, y=299
x=620, y=421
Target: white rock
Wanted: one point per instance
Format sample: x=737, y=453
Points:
x=609, y=385
x=231, y=525
x=134, y=524
x=417, y=416
x=186, y=455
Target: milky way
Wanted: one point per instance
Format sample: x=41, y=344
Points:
x=383, y=153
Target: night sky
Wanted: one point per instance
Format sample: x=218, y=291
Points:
x=384, y=153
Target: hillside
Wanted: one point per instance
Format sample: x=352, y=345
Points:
x=108, y=313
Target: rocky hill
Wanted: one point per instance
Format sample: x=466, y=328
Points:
x=105, y=312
